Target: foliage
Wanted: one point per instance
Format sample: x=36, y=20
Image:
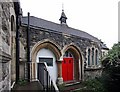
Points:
x=109, y=81
x=94, y=85
x=111, y=71
x=22, y=82
x=113, y=55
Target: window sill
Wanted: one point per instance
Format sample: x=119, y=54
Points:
x=93, y=68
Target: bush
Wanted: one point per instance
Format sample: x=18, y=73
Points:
x=110, y=79
x=95, y=85
x=111, y=71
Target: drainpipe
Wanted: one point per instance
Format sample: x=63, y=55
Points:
x=28, y=47
x=17, y=42
x=17, y=50
x=18, y=13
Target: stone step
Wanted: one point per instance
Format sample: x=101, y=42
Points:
x=71, y=86
x=78, y=89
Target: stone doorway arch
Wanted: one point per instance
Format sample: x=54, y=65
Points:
x=78, y=58
x=47, y=44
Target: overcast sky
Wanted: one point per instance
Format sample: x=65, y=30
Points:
x=96, y=17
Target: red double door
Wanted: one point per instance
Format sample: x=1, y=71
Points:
x=67, y=69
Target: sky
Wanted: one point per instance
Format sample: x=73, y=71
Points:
x=96, y=17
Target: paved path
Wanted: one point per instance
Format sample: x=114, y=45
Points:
x=36, y=86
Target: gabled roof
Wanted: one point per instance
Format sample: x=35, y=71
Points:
x=38, y=22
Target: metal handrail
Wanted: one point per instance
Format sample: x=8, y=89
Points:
x=43, y=75
x=47, y=81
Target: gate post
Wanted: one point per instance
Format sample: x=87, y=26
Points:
x=59, y=65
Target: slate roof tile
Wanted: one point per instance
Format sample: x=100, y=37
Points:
x=38, y=22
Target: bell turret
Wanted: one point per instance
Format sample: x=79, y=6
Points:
x=63, y=18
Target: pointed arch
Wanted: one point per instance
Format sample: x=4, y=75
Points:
x=74, y=49
x=51, y=45
x=46, y=44
x=78, y=60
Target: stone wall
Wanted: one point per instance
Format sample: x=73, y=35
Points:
x=92, y=73
x=6, y=10
x=5, y=73
x=60, y=39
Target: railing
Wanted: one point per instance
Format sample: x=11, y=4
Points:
x=40, y=72
x=45, y=78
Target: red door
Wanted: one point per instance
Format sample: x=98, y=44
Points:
x=67, y=69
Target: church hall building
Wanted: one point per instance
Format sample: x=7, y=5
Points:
x=70, y=54
x=36, y=49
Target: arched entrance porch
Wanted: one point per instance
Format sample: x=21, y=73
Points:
x=43, y=51
x=72, y=63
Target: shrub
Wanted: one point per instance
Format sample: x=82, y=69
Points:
x=111, y=71
x=94, y=85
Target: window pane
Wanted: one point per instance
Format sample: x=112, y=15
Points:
x=92, y=56
x=49, y=61
x=88, y=56
x=96, y=56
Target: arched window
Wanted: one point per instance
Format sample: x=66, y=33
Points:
x=12, y=23
x=68, y=54
x=96, y=57
x=88, y=57
x=92, y=56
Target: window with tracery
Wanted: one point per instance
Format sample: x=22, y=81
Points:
x=92, y=56
x=88, y=57
x=96, y=57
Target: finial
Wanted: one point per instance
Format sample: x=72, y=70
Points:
x=63, y=17
x=62, y=7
